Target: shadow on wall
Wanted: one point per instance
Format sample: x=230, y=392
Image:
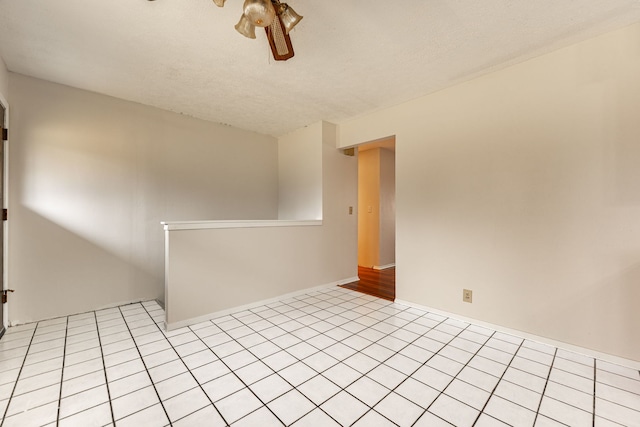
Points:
x=64, y=258
x=97, y=175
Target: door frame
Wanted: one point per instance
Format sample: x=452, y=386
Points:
x=376, y=143
x=5, y=204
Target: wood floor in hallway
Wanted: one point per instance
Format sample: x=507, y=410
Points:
x=379, y=283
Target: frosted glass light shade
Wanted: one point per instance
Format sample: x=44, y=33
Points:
x=219, y=3
x=259, y=12
x=246, y=28
x=289, y=17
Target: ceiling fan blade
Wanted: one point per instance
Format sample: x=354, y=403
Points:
x=279, y=40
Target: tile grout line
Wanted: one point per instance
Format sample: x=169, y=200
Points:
x=500, y=379
x=583, y=392
x=166, y=338
x=322, y=350
x=595, y=369
x=316, y=348
x=389, y=334
x=284, y=349
x=232, y=371
x=64, y=353
x=188, y=370
x=4, y=416
x=612, y=386
x=441, y=392
x=352, y=334
x=294, y=305
x=620, y=376
x=371, y=408
x=356, y=352
x=145, y=368
x=574, y=388
x=555, y=353
x=104, y=368
x=497, y=338
x=277, y=372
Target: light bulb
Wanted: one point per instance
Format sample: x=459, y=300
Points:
x=260, y=12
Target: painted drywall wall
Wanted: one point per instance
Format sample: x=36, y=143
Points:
x=92, y=177
x=212, y=270
x=523, y=185
x=376, y=208
x=4, y=79
x=300, y=174
x=387, y=208
x=369, y=208
x=339, y=192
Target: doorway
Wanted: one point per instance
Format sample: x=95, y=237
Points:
x=378, y=283
x=376, y=219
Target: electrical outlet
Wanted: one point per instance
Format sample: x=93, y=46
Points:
x=350, y=210
x=467, y=295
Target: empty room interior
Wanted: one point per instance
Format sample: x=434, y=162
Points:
x=195, y=215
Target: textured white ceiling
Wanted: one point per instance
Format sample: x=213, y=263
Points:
x=352, y=56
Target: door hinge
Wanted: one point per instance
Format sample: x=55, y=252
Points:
x=4, y=295
x=5, y=214
x=5, y=134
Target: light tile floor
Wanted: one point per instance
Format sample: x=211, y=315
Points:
x=327, y=358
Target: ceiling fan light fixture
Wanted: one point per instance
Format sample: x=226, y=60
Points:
x=245, y=27
x=288, y=16
x=259, y=12
x=276, y=17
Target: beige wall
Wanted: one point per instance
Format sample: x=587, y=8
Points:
x=212, y=270
x=300, y=174
x=339, y=191
x=4, y=80
x=92, y=177
x=524, y=186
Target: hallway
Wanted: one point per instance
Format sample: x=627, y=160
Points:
x=379, y=283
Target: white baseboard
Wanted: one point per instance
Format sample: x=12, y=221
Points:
x=384, y=267
x=221, y=313
x=103, y=307
x=118, y=304
x=633, y=364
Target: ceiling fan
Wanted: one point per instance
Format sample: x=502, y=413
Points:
x=275, y=17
